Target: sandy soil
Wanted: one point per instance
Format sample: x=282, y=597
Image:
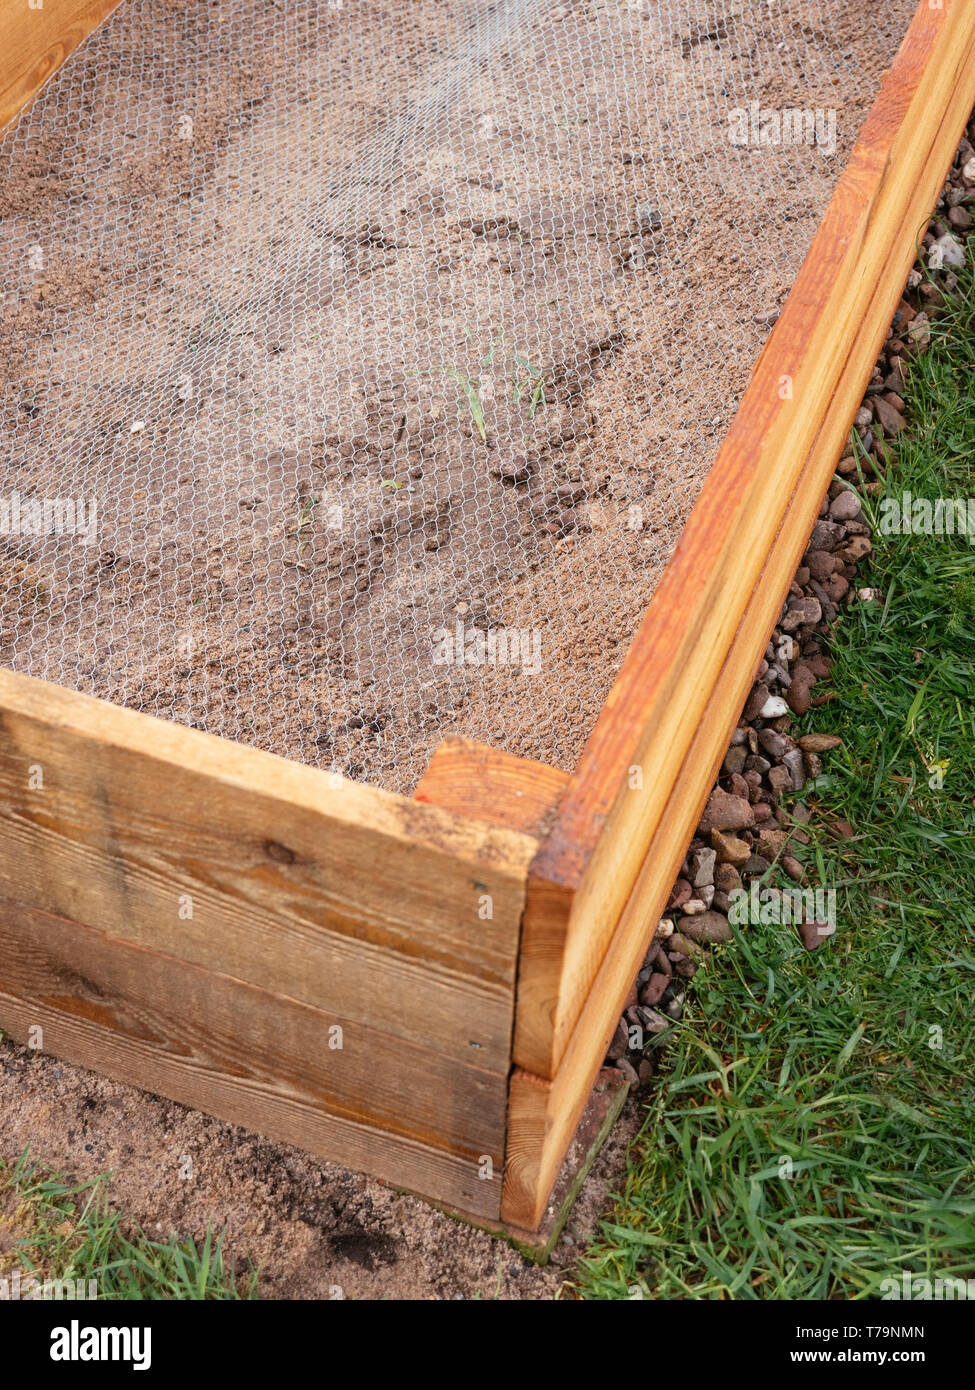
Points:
x=358, y=320
x=311, y=1228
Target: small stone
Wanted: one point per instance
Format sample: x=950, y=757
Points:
x=653, y=991
x=845, y=506
x=756, y=700
x=694, y=906
x=800, y=612
x=780, y=780
x=891, y=419
x=821, y=564
x=674, y=1009
x=820, y=743
x=946, y=251
x=680, y=893
x=813, y=765
x=514, y=470
x=799, y=695
x=774, y=743
x=727, y=879
x=735, y=758
x=702, y=867
x=652, y=1021
x=793, y=868
x=730, y=850
x=920, y=331
x=825, y=535
x=858, y=548
x=773, y=707
x=682, y=945
x=793, y=764
x=628, y=1070
x=710, y=926
x=815, y=933
x=619, y=1042
x=726, y=812
x=960, y=217
x=665, y=928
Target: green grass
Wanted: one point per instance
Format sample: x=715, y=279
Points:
x=850, y=1067
x=54, y=1229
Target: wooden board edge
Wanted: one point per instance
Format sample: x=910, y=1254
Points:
x=588, y=865
x=429, y=1173
x=35, y=41
x=547, y=1108
x=253, y=771
x=489, y=784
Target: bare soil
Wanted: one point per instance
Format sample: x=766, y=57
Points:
x=359, y=320
x=314, y=1230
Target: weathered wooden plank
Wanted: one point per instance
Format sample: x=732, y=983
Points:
x=395, y=915
x=35, y=39
x=199, y=1020
x=587, y=866
x=546, y=1110
x=491, y=785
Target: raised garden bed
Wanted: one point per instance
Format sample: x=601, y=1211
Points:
x=419, y=986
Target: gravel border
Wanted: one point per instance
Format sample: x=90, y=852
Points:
x=752, y=822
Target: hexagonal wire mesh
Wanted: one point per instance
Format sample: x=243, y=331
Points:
x=362, y=359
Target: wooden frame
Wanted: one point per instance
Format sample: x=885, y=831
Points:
x=425, y=989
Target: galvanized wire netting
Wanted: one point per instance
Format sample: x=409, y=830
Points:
x=363, y=359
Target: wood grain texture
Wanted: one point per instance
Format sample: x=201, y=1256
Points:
x=202, y=1021
x=589, y=863
x=35, y=42
x=252, y=1058
x=491, y=785
x=395, y=915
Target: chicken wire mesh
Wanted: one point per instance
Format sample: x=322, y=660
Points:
x=362, y=360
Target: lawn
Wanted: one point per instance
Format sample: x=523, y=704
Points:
x=811, y=1131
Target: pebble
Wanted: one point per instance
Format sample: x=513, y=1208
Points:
x=735, y=758
x=819, y=743
x=514, y=471
x=814, y=934
x=891, y=419
x=946, y=251
x=793, y=868
x=653, y=991
x=800, y=695
x=747, y=825
x=682, y=890
x=773, y=707
x=726, y=812
x=774, y=743
x=702, y=867
x=821, y=564
x=731, y=850
x=846, y=505
x=709, y=926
